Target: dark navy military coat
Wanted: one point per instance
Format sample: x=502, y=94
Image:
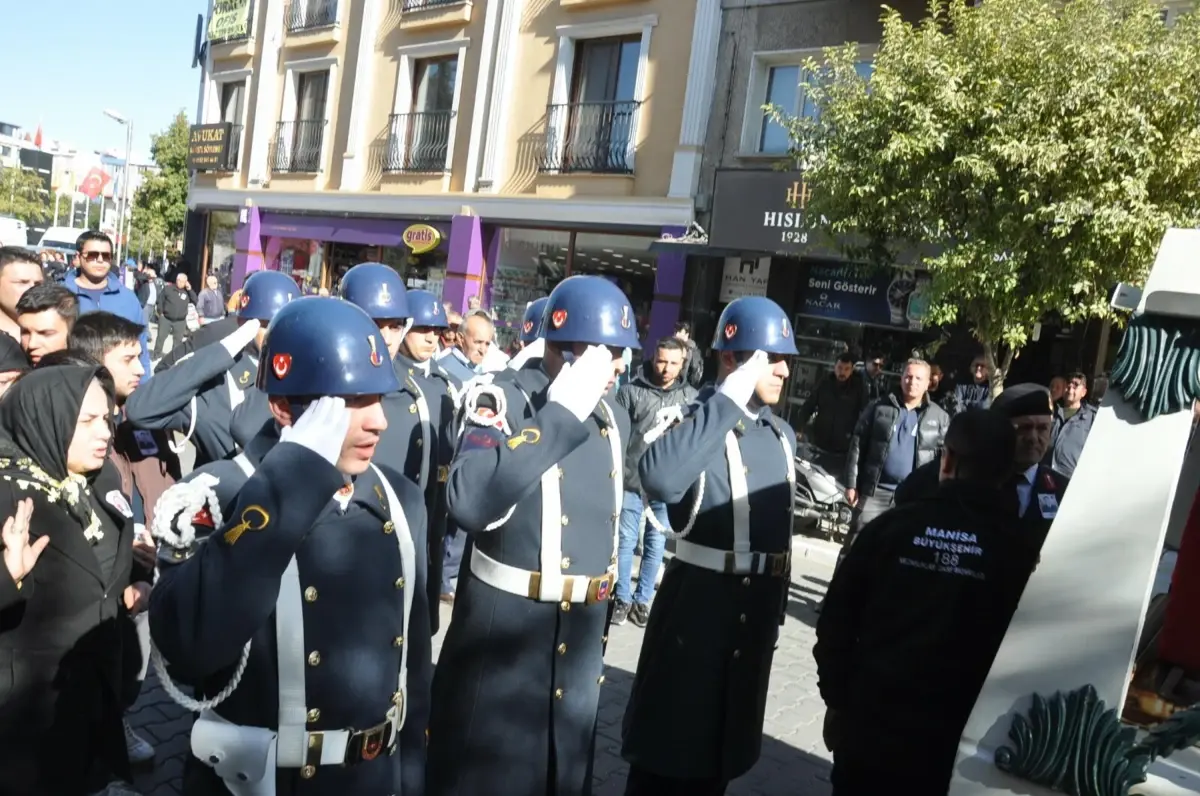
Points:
x=698, y=699
x=435, y=384
x=208, y=375
x=206, y=607
x=518, y=681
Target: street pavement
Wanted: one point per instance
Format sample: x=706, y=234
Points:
x=794, y=760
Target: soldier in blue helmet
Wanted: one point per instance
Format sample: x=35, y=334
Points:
x=532, y=344
x=198, y=395
x=726, y=473
x=292, y=586
x=537, y=482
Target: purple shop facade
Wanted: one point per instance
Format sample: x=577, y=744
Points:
x=471, y=246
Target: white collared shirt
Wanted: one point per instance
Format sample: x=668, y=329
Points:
x=1025, y=489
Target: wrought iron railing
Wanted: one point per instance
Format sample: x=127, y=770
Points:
x=222, y=36
x=233, y=156
x=592, y=137
x=420, y=5
x=298, y=146
x=418, y=141
x=302, y=15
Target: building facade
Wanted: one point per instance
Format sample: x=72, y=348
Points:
x=484, y=148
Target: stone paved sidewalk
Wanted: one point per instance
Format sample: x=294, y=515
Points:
x=794, y=761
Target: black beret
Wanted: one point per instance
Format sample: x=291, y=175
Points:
x=1022, y=400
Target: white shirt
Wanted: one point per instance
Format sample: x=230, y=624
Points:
x=1025, y=489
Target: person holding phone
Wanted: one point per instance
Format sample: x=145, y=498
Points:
x=291, y=594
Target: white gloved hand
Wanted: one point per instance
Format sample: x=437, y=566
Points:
x=581, y=384
x=322, y=428
x=236, y=342
x=739, y=385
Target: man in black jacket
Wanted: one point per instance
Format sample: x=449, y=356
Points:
x=837, y=403
x=915, y=615
x=659, y=386
x=693, y=364
x=173, y=305
x=895, y=435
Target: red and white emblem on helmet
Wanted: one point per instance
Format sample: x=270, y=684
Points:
x=244, y=301
x=281, y=365
x=376, y=357
x=730, y=330
x=625, y=322
x=787, y=332
x=528, y=327
x=436, y=308
x=558, y=318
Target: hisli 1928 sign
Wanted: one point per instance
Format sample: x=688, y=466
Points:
x=208, y=146
x=761, y=210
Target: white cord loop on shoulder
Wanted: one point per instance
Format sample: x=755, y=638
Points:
x=185, y=701
x=471, y=410
x=179, y=505
x=667, y=418
x=180, y=447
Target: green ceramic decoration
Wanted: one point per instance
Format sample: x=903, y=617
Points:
x=1075, y=744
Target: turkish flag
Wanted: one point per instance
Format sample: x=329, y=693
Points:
x=93, y=184
x=37, y=140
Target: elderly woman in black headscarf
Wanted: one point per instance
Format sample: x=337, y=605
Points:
x=67, y=555
x=13, y=362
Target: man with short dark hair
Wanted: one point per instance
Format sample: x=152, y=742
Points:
x=837, y=402
x=46, y=313
x=978, y=393
x=1073, y=420
x=19, y=271
x=649, y=399
x=96, y=284
x=693, y=366
x=915, y=615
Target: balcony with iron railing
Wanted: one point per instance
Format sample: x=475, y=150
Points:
x=425, y=14
x=298, y=146
x=590, y=138
x=233, y=155
x=301, y=16
x=418, y=142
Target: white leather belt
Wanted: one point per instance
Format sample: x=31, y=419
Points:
x=524, y=583
x=731, y=562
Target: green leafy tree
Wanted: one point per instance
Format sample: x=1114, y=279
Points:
x=23, y=195
x=1030, y=152
x=160, y=205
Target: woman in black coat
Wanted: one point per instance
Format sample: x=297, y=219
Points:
x=67, y=556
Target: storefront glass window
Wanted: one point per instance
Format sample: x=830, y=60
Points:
x=221, y=227
x=626, y=261
x=301, y=259
x=530, y=263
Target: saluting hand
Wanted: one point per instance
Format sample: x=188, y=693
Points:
x=19, y=554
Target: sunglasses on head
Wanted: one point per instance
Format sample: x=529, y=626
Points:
x=93, y=256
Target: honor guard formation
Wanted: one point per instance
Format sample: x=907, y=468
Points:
x=358, y=482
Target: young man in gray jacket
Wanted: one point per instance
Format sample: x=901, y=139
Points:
x=649, y=399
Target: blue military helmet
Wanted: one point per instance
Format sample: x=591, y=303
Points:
x=319, y=346
x=531, y=325
x=266, y=293
x=377, y=289
x=592, y=310
x=754, y=323
x=426, y=310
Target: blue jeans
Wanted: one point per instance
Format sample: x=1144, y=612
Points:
x=652, y=549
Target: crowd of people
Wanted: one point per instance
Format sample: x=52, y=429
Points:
x=365, y=460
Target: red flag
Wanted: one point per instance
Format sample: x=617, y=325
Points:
x=93, y=184
x=37, y=137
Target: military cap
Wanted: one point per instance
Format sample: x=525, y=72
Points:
x=1023, y=400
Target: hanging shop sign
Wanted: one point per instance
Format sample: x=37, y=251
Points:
x=208, y=146
x=761, y=210
x=744, y=276
x=230, y=20
x=861, y=294
x=421, y=238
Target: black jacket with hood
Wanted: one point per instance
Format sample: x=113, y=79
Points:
x=643, y=399
x=837, y=406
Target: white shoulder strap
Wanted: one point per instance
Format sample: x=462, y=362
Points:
x=408, y=563
x=242, y=461
x=618, y=463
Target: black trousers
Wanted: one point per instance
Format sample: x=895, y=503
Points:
x=178, y=331
x=643, y=783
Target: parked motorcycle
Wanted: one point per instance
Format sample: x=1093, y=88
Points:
x=821, y=507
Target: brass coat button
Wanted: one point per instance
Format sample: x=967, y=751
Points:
x=562, y=649
x=737, y=654
x=399, y=583
x=612, y=473
x=398, y=641
x=314, y=658
x=412, y=409
x=742, y=619
x=565, y=606
x=310, y=594
x=565, y=519
x=558, y=693
x=604, y=431
x=308, y=772
x=604, y=639
x=389, y=526
x=745, y=581
x=566, y=562
x=600, y=680
x=419, y=442
x=314, y=715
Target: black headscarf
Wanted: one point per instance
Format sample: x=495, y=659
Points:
x=40, y=412
x=12, y=357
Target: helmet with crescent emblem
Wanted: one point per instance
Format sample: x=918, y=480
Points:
x=426, y=310
x=592, y=310
x=378, y=289
x=319, y=346
x=531, y=324
x=266, y=293
x=754, y=323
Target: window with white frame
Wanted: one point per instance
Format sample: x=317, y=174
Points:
x=781, y=80
x=424, y=120
x=300, y=137
x=597, y=96
x=233, y=104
